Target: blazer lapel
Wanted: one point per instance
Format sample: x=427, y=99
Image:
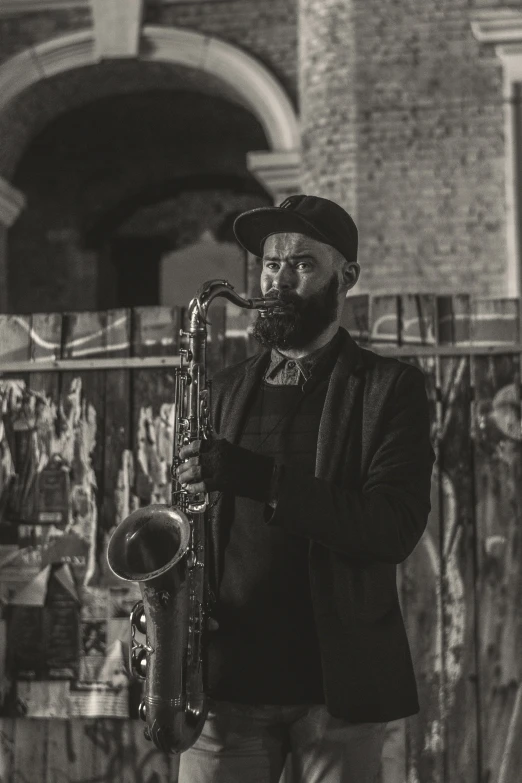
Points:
x=236, y=400
x=344, y=385
x=375, y=392
x=235, y=406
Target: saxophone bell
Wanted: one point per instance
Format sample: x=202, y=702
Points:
x=148, y=543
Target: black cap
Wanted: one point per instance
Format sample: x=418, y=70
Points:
x=316, y=217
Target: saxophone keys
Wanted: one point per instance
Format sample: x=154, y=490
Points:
x=139, y=662
x=138, y=619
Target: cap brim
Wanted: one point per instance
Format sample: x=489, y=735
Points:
x=253, y=227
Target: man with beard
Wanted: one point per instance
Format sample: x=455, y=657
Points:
x=319, y=474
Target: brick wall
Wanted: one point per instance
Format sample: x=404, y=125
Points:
x=328, y=109
x=402, y=121
x=431, y=146
x=429, y=161
x=18, y=32
x=266, y=29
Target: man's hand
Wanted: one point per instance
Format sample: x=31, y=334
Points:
x=189, y=472
x=219, y=465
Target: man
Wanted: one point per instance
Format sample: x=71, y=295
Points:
x=320, y=478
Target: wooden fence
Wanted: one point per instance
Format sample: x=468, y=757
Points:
x=103, y=381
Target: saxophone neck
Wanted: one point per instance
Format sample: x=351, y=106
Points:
x=210, y=290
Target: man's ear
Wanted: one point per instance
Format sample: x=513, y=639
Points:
x=350, y=274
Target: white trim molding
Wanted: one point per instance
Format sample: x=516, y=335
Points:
x=117, y=27
x=497, y=25
x=255, y=87
x=278, y=171
x=503, y=28
x=12, y=201
x=13, y=7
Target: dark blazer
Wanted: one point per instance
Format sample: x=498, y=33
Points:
x=363, y=512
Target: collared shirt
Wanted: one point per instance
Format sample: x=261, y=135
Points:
x=284, y=371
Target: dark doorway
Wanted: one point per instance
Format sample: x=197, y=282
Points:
x=135, y=263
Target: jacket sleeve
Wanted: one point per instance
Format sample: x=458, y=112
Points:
x=384, y=519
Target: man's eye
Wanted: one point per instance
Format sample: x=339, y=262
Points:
x=271, y=265
x=303, y=265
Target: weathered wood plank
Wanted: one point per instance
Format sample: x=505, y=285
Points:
x=142, y=762
x=153, y=399
x=385, y=325
x=84, y=335
x=107, y=739
x=454, y=319
x=46, y=337
x=58, y=752
x=495, y=321
x=82, y=400
x=155, y=331
x=83, y=753
x=116, y=502
x=411, y=749
x=356, y=317
x=498, y=503
x=18, y=464
x=17, y=468
x=30, y=763
x=418, y=319
x=7, y=749
x=393, y=760
x=15, y=339
x=458, y=648
x=423, y=613
x=118, y=334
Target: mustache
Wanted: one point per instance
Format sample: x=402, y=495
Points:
x=285, y=298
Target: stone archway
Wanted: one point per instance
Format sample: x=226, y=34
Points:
x=247, y=81
x=240, y=76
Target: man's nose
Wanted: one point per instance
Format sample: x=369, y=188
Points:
x=283, y=279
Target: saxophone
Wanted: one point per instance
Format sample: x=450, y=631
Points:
x=165, y=549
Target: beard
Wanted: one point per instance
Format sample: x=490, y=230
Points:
x=304, y=321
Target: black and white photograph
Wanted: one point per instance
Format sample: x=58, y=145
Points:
x=260, y=391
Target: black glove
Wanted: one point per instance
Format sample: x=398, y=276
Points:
x=231, y=468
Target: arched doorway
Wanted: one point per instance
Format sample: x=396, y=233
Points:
x=126, y=146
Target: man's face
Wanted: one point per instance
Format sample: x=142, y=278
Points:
x=305, y=275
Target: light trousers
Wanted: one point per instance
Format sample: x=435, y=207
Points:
x=249, y=744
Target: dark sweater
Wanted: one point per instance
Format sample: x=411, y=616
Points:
x=266, y=649
x=363, y=513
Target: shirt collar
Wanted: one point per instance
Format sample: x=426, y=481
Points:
x=307, y=363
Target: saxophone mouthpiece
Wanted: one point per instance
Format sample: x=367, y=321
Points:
x=272, y=305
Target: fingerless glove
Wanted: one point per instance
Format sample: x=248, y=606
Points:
x=230, y=468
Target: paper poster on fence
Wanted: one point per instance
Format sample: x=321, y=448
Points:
x=64, y=651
